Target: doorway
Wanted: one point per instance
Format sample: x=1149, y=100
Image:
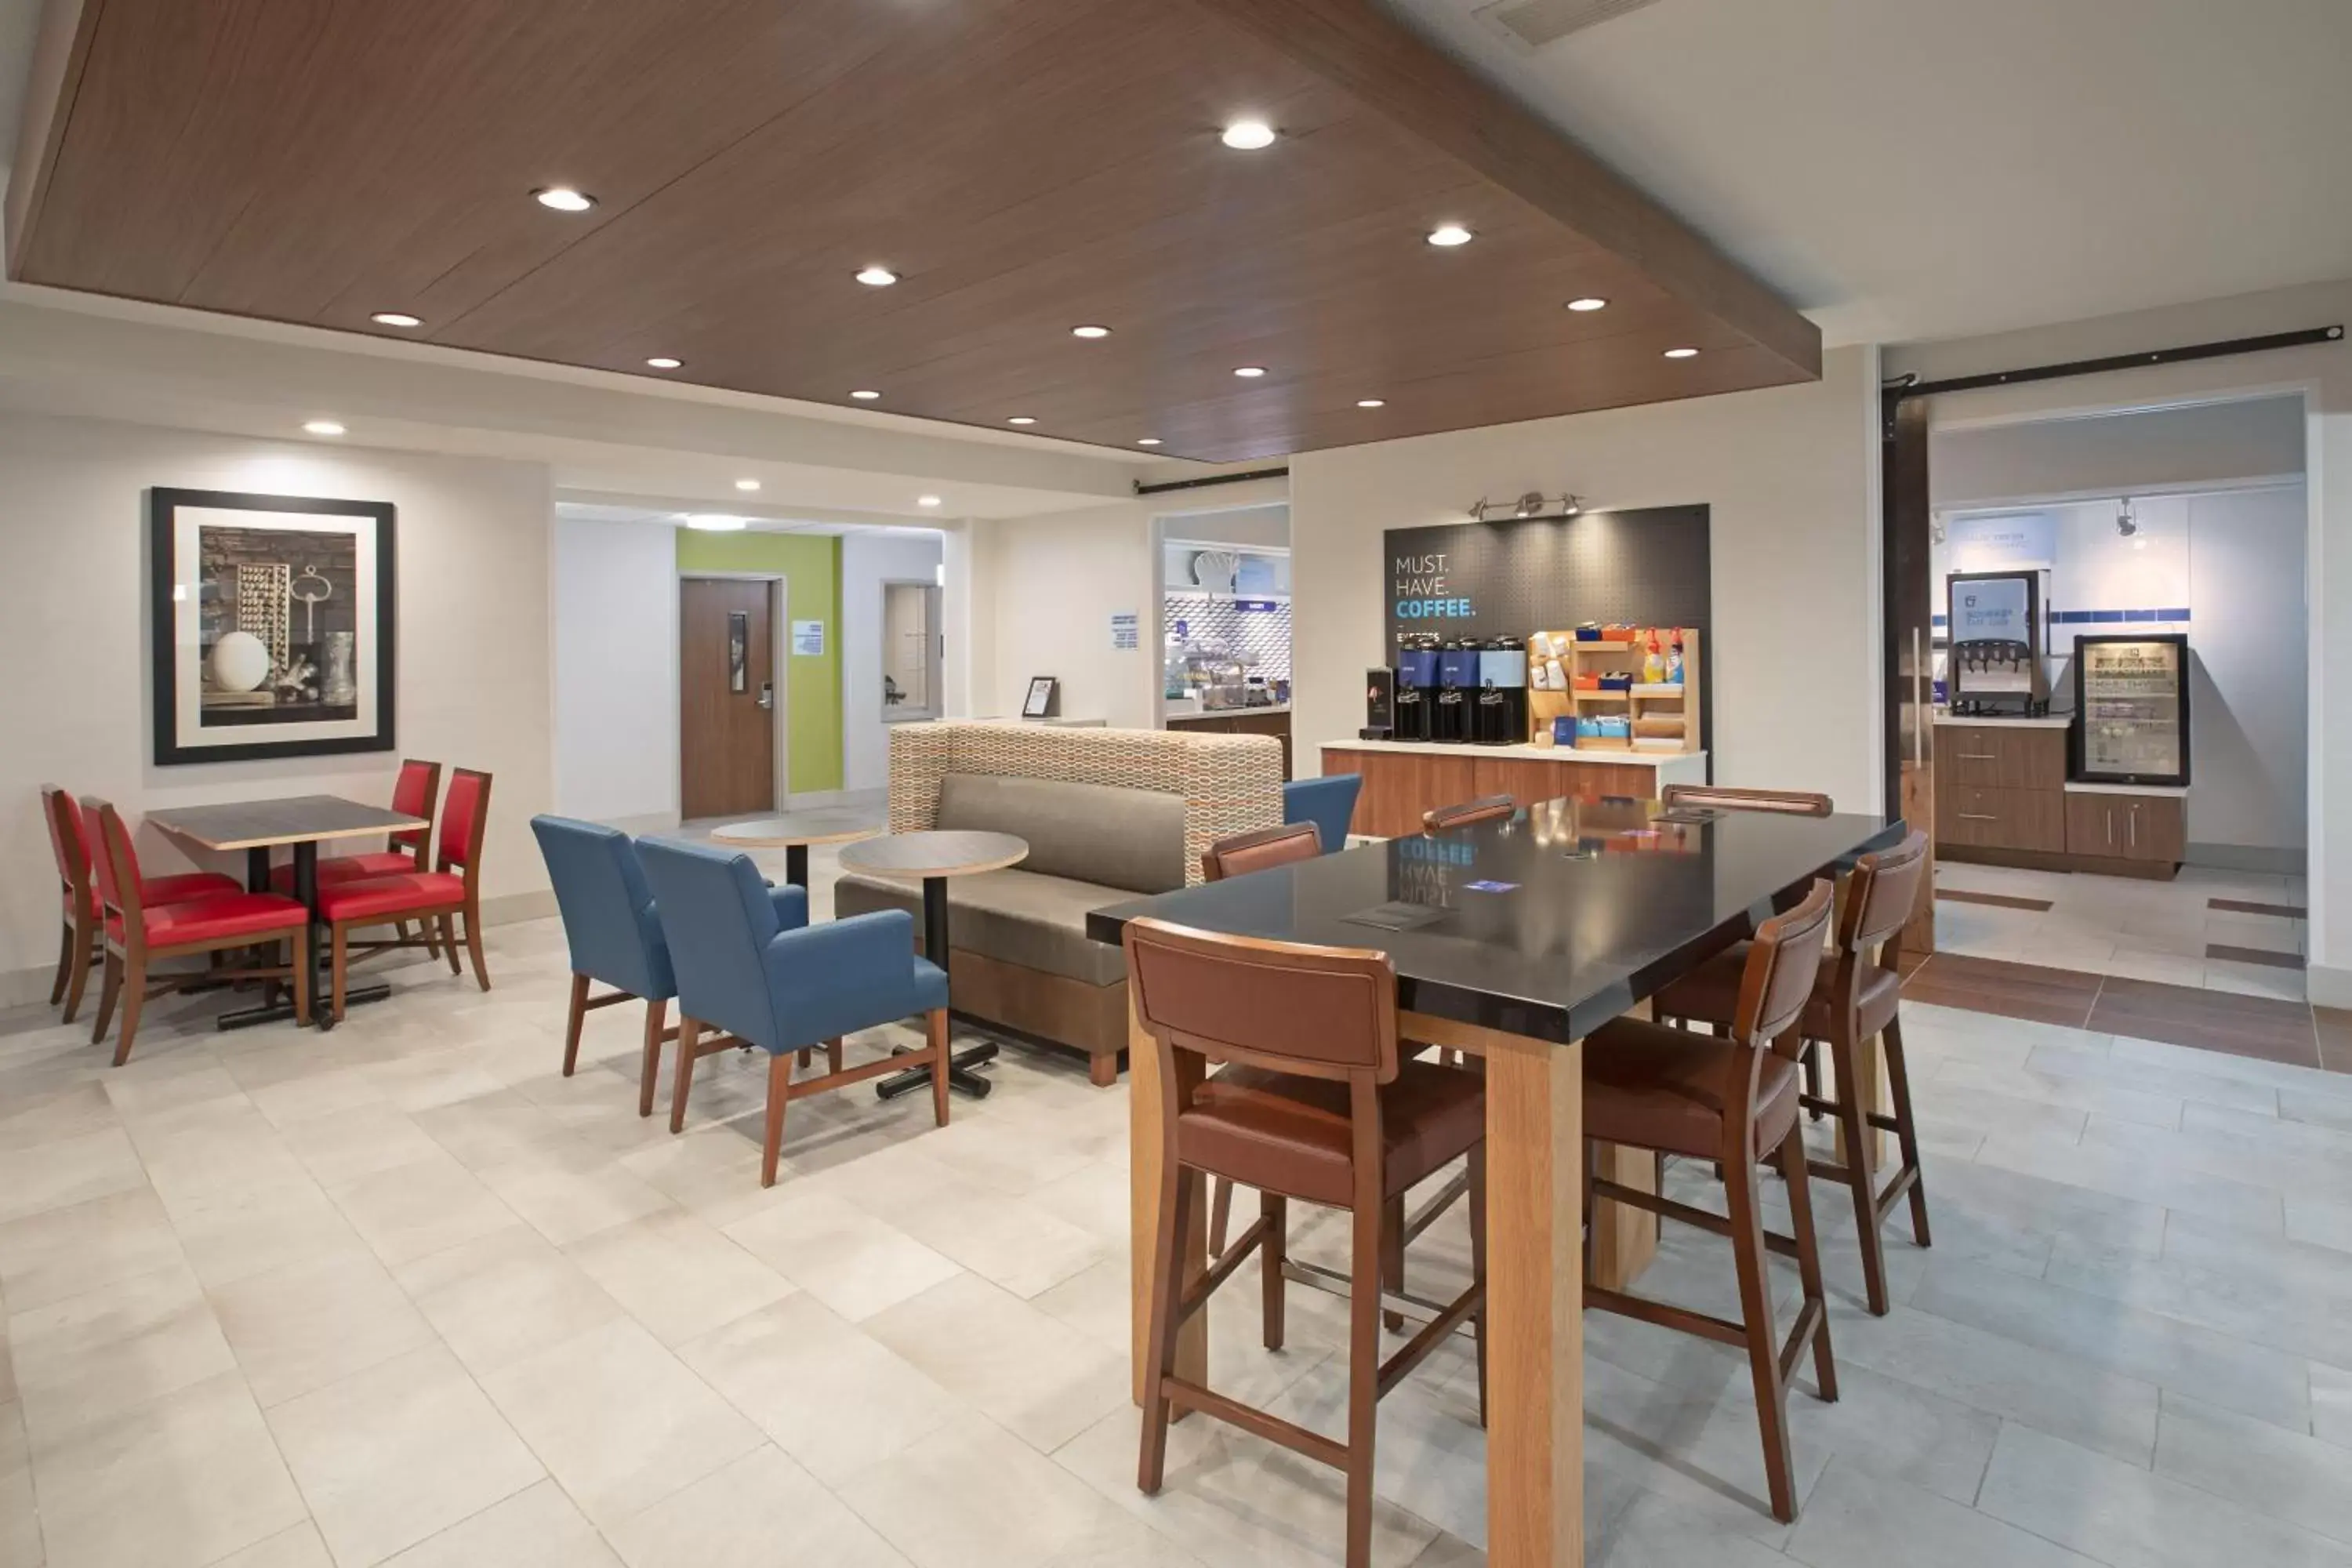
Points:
x=727, y=696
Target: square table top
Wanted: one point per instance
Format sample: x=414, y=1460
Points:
x=1546, y=924
x=296, y=819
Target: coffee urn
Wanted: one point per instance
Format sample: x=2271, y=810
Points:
x=1502, y=716
x=1457, y=691
x=1416, y=686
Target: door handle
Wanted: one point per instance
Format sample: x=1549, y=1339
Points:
x=768, y=694
x=2111, y=826
x=2131, y=821
x=1918, y=709
x=1978, y=817
x=1978, y=757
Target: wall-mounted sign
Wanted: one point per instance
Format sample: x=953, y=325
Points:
x=1126, y=630
x=808, y=640
x=1643, y=568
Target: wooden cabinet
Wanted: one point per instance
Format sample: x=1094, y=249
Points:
x=2114, y=827
x=1994, y=756
x=1399, y=786
x=1241, y=721
x=1527, y=781
x=2023, y=819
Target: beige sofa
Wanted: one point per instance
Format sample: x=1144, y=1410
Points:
x=1109, y=815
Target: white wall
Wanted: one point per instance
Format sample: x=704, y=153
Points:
x=474, y=643
x=615, y=680
x=2136, y=450
x=868, y=561
x=2322, y=374
x=1051, y=586
x=1790, y=476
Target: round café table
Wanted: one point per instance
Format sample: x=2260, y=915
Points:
x=792, y=835
x=935, y=857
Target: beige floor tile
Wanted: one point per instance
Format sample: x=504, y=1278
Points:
x=618, y=1419
x=63, y=1252
x=488, y=1130
x=714, y=1173
x=677, y=1275
x=398, y=1453
x=341, y=1148
x=761, y=1510
x=67, y=1108
x=92, y=1356
x=504, y=1296
x=567, y=1190
x=536, y=1528
x=20, y=1522
x=1856, y=1519
x=304, y=1327
x=67, y=1171
x=412, y=1210
x=297, y=1548
x=1030, y=1372
x=833, y=1399
x=185, y=1479
x=234, y=1235
x=155, y=1085
x=293, y=1101
x=854, y=1263
x=216, y=1146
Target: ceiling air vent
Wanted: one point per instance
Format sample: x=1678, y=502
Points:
x=1535, y=23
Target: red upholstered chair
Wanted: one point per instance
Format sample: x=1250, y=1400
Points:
x=412, y=794
x=138, y=933
x=84, y=913
x=437, y=898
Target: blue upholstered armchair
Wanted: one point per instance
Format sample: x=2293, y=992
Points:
x=1329, y=803
x=614, y=934
x=749, y=967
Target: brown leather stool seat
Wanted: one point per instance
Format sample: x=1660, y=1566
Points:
x=1710, y=994
x=1651, y=1087
x=1284, y=1133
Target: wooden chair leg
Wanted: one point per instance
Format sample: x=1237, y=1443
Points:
x=1393, y=1257
x=84, y=937
x=656, y=1011
x=449, y=924
x=1808, y=1257
x=683, y=1080
x=108, y=990
x=1476, y=1197
x=1851, y=1114
x=779, y=1095
x=833, y=1053
x=1763, y=1346
x=474, y=946
x=1275, y=1209
x=339, y=967
x=134, y=996
x=572, y=1021
x=1220, y=1215
x=1812, y=1065
x=65, y=962
x=1907, y=1131
x=1176, y=1189
x=800, y=1058
x=1369, y=1258
x=299, y=968
x=935, y=1031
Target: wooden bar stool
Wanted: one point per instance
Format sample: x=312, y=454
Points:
x=1316, y=1105
x=1856, y=1001
x=1650, y=1086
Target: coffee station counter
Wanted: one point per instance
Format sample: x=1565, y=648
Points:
x=1404, y=778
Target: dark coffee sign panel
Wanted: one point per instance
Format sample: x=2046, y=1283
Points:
x=1643, y=568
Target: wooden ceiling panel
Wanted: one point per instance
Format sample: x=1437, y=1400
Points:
x=1026, y=167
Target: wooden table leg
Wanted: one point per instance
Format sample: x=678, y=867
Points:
x=1624, y=1239
x=1870, y=1068
x=1143, y=1211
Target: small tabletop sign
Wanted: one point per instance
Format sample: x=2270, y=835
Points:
x=808, y=640
x=1044, y=700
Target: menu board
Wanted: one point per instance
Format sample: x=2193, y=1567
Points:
x=2132, y=718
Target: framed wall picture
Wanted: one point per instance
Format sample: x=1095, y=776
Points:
x=1045, y=698
x=273, y=624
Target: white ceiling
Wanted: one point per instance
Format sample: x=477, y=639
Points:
x=1909, y=170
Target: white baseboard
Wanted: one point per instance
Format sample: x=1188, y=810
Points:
x=2327, y=987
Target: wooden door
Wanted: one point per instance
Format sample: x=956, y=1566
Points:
x=726, y=708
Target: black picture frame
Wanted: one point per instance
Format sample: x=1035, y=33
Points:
x=171, y=747
x=1045, y=698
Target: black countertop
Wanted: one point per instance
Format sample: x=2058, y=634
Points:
x=1587, y=908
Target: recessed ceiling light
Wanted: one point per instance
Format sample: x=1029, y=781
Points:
x=747, y=484
x=877, y=276
x=663, y=362
x=713, y=522
x=1147, y=440
x=1588, y=303
x=1371, y=403
x=1247, y=135
x=323, y=427
x=1021, y=419
x=1682, y=353
x=1089, y=331
x=563, y=199
x=927, y=500
x=1249, y=372
x=396, y=318
x=1449, y=234
x=866, y=394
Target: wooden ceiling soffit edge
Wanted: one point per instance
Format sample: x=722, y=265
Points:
x=1382, y=64
x=60, y=50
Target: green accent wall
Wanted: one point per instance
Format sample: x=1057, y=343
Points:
x=810, y=565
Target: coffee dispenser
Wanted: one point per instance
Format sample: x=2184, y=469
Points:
x=1502, y=712
x=1416, y=686
x=1457, y=691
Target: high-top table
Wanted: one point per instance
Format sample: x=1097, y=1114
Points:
x=790, y=833
x=935, y=856
x=304, y=822
x=1512, y=941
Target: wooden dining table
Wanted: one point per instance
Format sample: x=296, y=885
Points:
x=1512, y=940
x=301, y=823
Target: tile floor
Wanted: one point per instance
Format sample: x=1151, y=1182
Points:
x=403, y=1294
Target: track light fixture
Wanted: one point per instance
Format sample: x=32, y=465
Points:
x=2126, y=523
x=1532, y=507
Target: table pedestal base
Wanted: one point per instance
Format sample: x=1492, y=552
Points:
x=960, y=1075
x=279, y=1012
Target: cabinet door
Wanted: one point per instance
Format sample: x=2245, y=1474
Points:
x=2154, y=827
x=2091, y=827
x=2001, y=818
x=1967, y=755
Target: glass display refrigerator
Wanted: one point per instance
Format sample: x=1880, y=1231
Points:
x=2131, y=706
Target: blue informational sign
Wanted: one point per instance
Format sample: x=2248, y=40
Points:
x=1257, y=606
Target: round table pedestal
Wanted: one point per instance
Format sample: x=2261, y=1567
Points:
x=960, y=1074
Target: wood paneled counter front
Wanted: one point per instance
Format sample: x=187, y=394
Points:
x=1404, y=778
